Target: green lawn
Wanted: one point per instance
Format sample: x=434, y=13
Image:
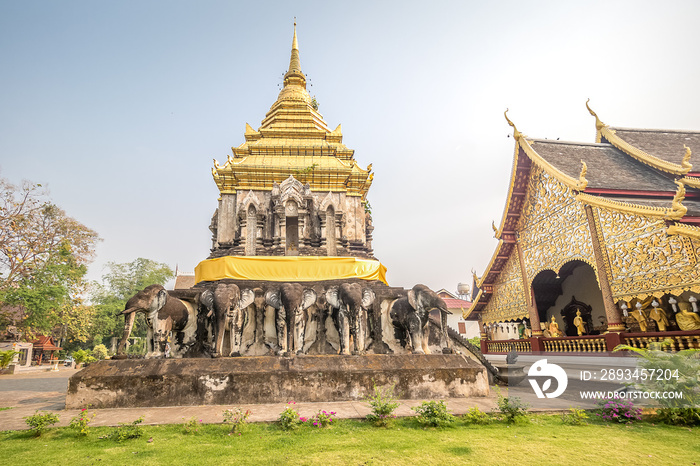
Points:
x=545, y=440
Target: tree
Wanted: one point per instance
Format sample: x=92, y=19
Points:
x=43, y=260
x=119, y=284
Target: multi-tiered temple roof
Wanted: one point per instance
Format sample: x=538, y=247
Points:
x=628, y=205
x=293, y=140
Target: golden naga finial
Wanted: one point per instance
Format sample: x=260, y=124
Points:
x=598, y=124
x=582, y=181
x=686, y=159
x=493, y=225
x=516, y=133
x=676, y=204
x=476, y=279
x=216, y=164
x=369, y=167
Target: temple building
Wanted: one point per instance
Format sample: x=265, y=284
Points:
x=292, y=188
x=596, y=239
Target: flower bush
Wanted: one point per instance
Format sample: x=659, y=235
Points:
x=237, y=419
x=289, y=418
x=191, y=426
x=433, y=413
x=476, y=416
x=322, y=419
x=618, y=410
x=383, y=403
x=38, y=422
x=575, y=417
x=126, y=431
x=80, y=422
x=511, y=407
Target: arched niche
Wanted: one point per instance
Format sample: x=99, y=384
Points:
x=251, y=227
x=291, y=213
x=330, y=231
x=560, y=294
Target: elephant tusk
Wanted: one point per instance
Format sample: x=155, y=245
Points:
x=127, y=311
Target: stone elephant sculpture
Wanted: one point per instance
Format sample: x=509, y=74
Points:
x=164, y=314
x=225, y=305
x=411, y=315
x=349, y=303
x=291, y=302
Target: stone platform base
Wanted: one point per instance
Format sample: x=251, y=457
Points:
x=267, y=379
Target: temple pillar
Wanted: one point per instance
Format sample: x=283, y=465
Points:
x=226, y=221
x=529, y=296
x=612, y=313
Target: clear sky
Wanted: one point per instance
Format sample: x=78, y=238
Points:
x=119, y=107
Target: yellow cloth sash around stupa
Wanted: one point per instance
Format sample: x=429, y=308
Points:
x=288, y=269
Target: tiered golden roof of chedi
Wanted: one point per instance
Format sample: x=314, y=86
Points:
x=292, y=188
x=293, y=139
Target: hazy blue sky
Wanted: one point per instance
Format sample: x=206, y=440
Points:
x=119, y=107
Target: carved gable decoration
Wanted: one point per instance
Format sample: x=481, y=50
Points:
x=644, y=260
x=508, y=300
x=553, y=226
x=291, y=188
x=327, y=201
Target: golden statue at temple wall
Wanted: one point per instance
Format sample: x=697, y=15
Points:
x=641, y=317
x=686, y=318
x=545, y=331
x=659, y=315
x=579, y=323
x=554, y=328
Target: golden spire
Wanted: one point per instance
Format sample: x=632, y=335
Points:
x=294, y=75
x=294, y=62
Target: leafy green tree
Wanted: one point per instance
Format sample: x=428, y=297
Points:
x=43, y=262
x=119, y=284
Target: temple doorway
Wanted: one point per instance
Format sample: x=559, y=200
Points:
x=574, y=288
x=292, y=227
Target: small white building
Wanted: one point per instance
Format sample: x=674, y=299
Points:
x=455, y=307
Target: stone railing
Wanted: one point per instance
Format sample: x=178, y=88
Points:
x=676, y=341
x=585, y=344
x=505, y=346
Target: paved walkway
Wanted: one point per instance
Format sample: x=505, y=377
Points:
x=27, y=392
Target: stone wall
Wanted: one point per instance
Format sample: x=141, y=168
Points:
x=225, y=381
x=290, y=219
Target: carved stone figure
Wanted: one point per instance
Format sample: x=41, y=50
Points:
x=226, y=305
x=163, y=315
x=349, y=304
x=411, y=314
x=291, y=302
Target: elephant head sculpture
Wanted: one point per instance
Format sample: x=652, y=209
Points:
x=291, y=302
x=163, y=315
x=226, y=305
x=411, y=315
x=349, y=303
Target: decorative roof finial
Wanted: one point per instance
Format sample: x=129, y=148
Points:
x=676, y=204
x=582, y=181
x=598, y=124
x=686, y=158
x=516, y=133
